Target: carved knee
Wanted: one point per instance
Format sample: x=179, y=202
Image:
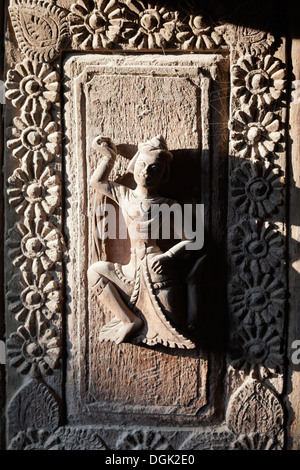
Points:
x=96, y=280
x=93, y=276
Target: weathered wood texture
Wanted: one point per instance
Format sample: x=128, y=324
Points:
x=293, y=384
x=130, y=99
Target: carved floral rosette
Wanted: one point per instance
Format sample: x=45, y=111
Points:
x=256, y=196
x=257, y=287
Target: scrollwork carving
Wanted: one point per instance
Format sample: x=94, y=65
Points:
x=246, y=40
x=76, y=439
x=255, y=408
x=219, y=439
x=41, y=28
x=62, y=439
x=34, y=406
x=92, y=438
x=31, y=439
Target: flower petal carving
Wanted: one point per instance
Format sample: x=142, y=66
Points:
x=256, y=441
x=34, y=137
x=95, y=24
x=153, y=26
x=257, y=188
x=255, y=134
x=35, y=245
x=38, y=293
x=34, y=195
x=256, y=246
x=198, y=33
x=41, y=28
x=35, y=351
x=32, y=85
x=142, y=440
x=257, y=345
x=258, y=81
x=138, y=24
x=257, y=298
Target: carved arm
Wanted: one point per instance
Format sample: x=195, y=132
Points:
x=108, y=152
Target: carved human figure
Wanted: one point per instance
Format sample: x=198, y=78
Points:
x=144, y=295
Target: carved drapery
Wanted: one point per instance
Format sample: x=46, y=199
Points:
x=256, y=294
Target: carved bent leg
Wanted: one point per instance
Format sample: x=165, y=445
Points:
x=125, y=322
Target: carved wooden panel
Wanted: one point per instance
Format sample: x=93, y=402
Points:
x=130, y=99
x=154, y=69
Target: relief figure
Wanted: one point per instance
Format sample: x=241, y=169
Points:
x=144, y=296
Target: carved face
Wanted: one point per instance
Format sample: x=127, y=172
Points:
x=149, y=170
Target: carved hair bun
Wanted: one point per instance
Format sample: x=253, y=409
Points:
x=156, y=144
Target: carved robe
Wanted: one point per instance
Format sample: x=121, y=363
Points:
x=156, y=298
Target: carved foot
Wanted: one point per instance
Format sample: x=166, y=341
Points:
x=116, y=331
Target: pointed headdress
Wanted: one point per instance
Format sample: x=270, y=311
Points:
x=156, y=146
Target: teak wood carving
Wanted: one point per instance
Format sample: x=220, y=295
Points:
x=36, y=293
x=145, y=294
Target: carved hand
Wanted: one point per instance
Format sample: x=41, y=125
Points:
x=105, y=147
x=159, y=263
